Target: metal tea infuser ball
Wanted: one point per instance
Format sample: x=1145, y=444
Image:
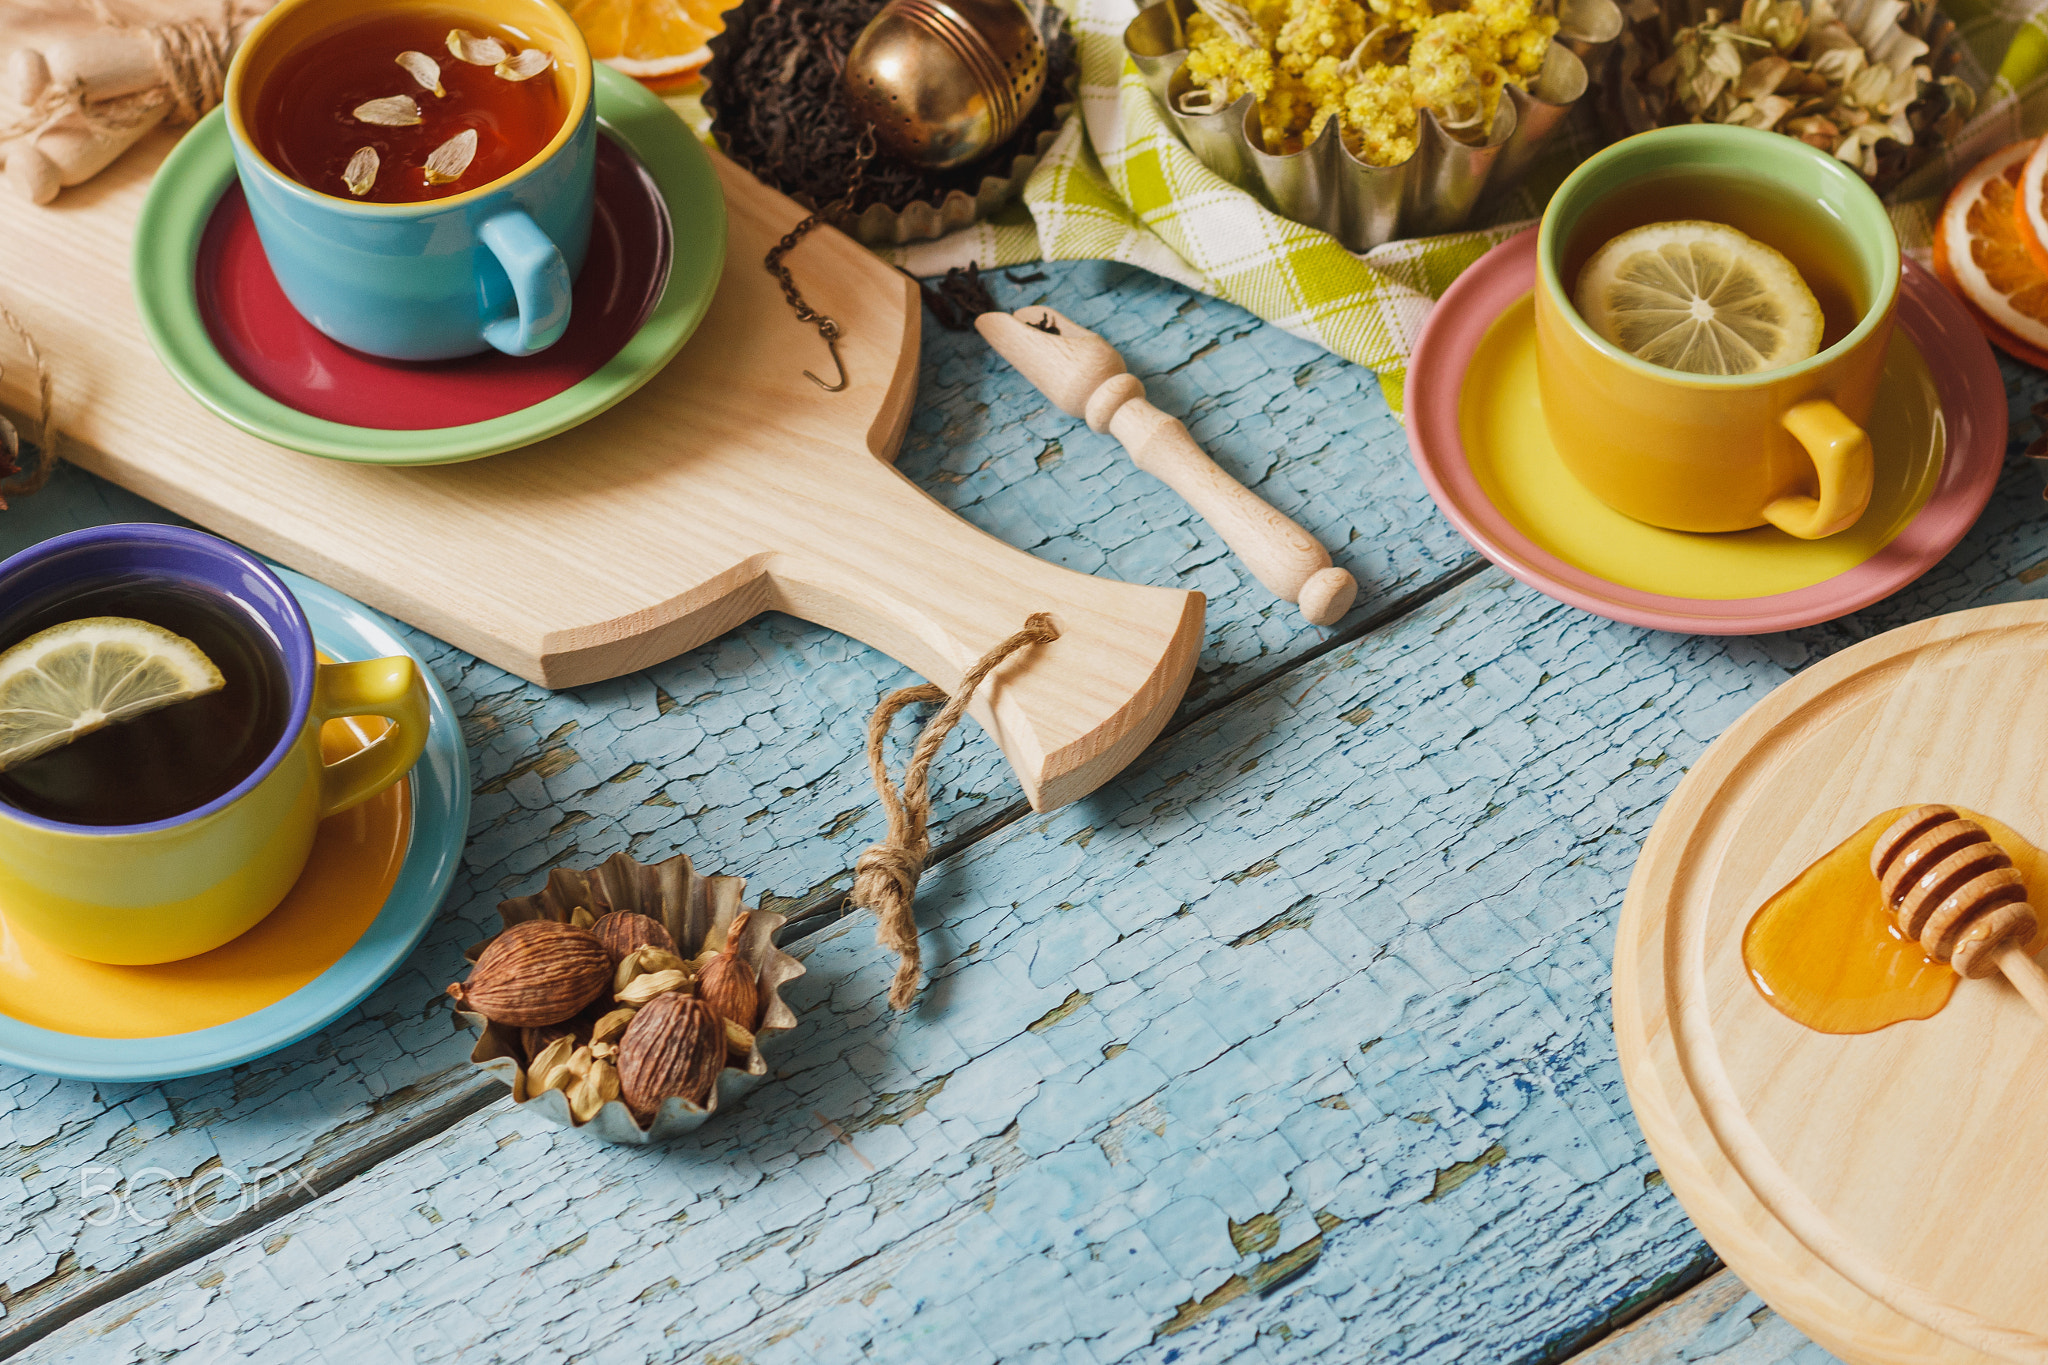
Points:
x=945, y=82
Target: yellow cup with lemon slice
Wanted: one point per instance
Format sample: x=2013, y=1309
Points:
x=1712, y=309
x=161, y=774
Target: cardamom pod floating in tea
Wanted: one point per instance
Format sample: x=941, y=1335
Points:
x=425, y=70
x=447, y=162
x=577, y=1071
x=477, y=51
x=361, y=174
x=529, y=63
x=393, y=111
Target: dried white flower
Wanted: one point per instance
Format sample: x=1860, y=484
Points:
x=361, y=172
x=468, y=47
x=452, y=158
x=393, y=111
x=423, y=69
x=526, y=65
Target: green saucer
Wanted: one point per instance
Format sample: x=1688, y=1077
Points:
x=168, y=266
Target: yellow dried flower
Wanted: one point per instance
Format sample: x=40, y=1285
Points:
x=1371, y=66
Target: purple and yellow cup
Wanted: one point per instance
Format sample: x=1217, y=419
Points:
x=176, y=887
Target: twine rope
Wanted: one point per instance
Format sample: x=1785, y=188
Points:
x=885, y=877
x=15, y=482
x=192, y=57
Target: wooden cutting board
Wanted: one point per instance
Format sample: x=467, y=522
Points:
x=730, y=485
x=1886, y=1192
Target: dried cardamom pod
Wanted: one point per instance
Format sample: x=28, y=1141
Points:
x=536, y=972
x=551, y=1068
x=738, y=1041
x=468, y=47
x=621, y=931
x=361, y=174
x=641, y=961
x=393, y=111
x=612, y=1027
x=535, y=1038
x=579, y=917
x=445, y=165
x=591, y=1091
x=673, y=1047
x=728, y=982
x=649, y=986
x=525, y=66
x=423, y=69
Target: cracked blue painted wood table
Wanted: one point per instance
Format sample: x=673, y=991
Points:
x=1292, y=1041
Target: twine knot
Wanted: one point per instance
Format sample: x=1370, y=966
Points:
x=193, y=57
x=885, y=877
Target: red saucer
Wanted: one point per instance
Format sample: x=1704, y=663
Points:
x=264, y=339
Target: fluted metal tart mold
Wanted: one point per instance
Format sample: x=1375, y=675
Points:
x=1326, y=186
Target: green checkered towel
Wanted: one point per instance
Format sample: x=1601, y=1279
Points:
x=1119, y=185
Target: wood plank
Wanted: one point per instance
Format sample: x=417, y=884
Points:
x=729, y=485
x=1720, y=1322
x=744, y=752
x=1294, y=1037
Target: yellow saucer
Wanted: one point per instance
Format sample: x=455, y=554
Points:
x=356, y=859
x=1500, y=422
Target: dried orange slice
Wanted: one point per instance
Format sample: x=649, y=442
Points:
x=2031, y=213
x=1980, y=251
x=660, y=42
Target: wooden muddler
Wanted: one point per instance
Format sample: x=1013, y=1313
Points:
x=1086, y=378
x=1951, y=886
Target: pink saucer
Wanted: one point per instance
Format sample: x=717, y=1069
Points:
x=264, y=339
x=1960, y=363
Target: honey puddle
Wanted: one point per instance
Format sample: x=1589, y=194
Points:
x=1824, y=950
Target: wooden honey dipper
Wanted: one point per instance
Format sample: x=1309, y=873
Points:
x=1949, y=885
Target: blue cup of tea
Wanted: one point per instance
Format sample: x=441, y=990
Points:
x=488, y=267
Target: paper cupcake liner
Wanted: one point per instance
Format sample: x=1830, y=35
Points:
x=878, y=224
x=1326, y=186
x=689, y=906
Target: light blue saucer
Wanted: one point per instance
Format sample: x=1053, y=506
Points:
x=345, y=630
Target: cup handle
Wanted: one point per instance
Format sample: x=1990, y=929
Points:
x=375, y=687
x=540, y=284
x=1840, y=451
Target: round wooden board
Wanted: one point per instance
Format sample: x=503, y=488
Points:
x=1884, y=1192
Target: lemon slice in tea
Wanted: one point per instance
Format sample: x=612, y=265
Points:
x=1699, y=297
x=70, y=680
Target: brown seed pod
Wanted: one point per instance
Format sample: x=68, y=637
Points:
x=622, y=931
x=729, y=983
x=674, y=1046
x=537, y=972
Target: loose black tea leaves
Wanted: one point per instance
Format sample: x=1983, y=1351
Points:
x=781, y=113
